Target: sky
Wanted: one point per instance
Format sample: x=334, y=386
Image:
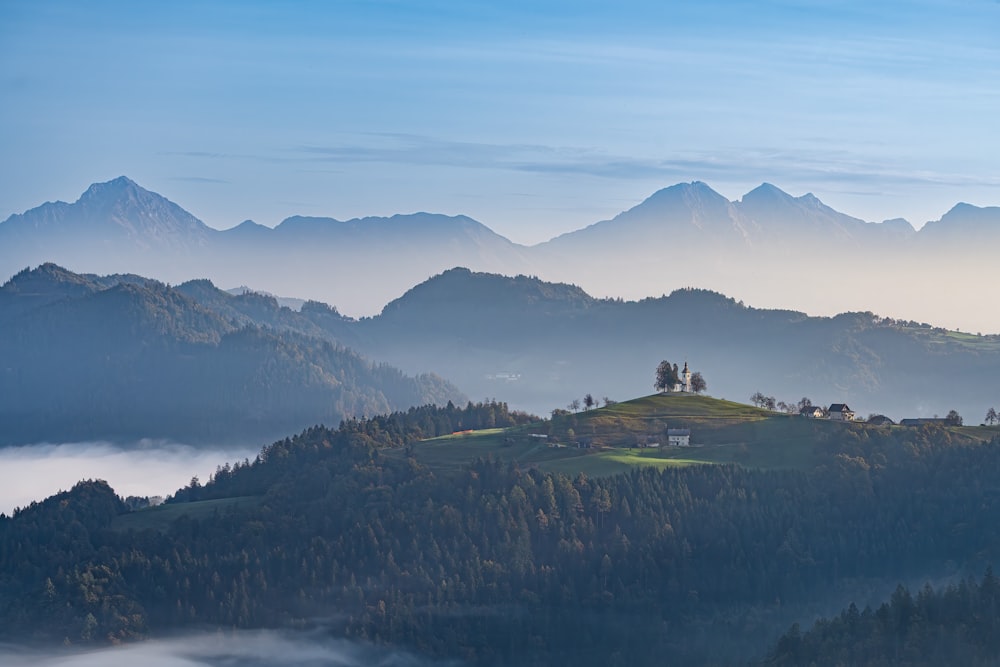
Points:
x=535, y=118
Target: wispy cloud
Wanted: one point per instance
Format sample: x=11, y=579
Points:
x=817, y=165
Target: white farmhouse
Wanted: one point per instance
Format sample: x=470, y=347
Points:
x=840, y=412
x=679, y=437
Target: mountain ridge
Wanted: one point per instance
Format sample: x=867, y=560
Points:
x=685, y=234
x=533, y=343
x=102, y=197
x=124, y=358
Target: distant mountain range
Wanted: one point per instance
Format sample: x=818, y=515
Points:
x=769, y=248
x=84, y=356
x=122, y=357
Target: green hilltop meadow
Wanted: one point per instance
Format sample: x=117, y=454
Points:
x=614, y=439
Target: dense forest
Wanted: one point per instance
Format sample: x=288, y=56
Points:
x=957, y=625
x=493, y=564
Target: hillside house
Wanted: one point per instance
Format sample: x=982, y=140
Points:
x=840, y=412
x=812, y=412
x=679, y=437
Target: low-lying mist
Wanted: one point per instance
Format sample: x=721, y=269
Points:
x=231, y=649
x=35, y=472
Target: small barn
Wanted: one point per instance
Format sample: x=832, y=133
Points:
x=881, y=420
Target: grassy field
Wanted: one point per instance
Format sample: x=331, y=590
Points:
x=160, y=517
x=978, y=433
x=972, y=341
x=721, y=432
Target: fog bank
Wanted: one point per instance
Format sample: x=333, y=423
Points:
x=261, y=648
x=35, y=472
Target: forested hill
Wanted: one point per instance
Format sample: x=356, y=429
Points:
x=496, y=565
x=534, y=344
x=538, y=345
x=123, y=357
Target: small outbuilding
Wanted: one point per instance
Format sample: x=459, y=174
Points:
x=880, y=420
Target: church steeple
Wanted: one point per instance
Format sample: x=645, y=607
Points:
x=686, y=377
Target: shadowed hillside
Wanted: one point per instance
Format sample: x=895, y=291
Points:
x=105, y=358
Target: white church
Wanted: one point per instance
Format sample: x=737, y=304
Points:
x=684, y=386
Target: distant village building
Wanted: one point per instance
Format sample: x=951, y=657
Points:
x=812, y=411
x=840, y=412
x=679, y=437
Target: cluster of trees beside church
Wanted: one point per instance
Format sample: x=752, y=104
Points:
x=494, y=564
x=668, y=377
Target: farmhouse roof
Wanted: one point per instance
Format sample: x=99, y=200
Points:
x=880, y=420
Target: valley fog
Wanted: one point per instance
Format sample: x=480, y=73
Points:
x=235, y=649
x=35, y=472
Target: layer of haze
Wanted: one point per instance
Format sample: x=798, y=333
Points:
x=35, y=472
x=246, y=649
x=533, y=118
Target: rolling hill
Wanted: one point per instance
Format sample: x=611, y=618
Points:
x=123, y=358
x=567, y=565
x=534, y=344
x=540, y=345
x=632, y=434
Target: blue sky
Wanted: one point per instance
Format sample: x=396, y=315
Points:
x=533, y=117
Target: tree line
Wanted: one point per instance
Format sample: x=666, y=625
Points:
x=956, y=625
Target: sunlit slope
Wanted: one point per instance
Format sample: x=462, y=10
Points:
x=612, y=438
